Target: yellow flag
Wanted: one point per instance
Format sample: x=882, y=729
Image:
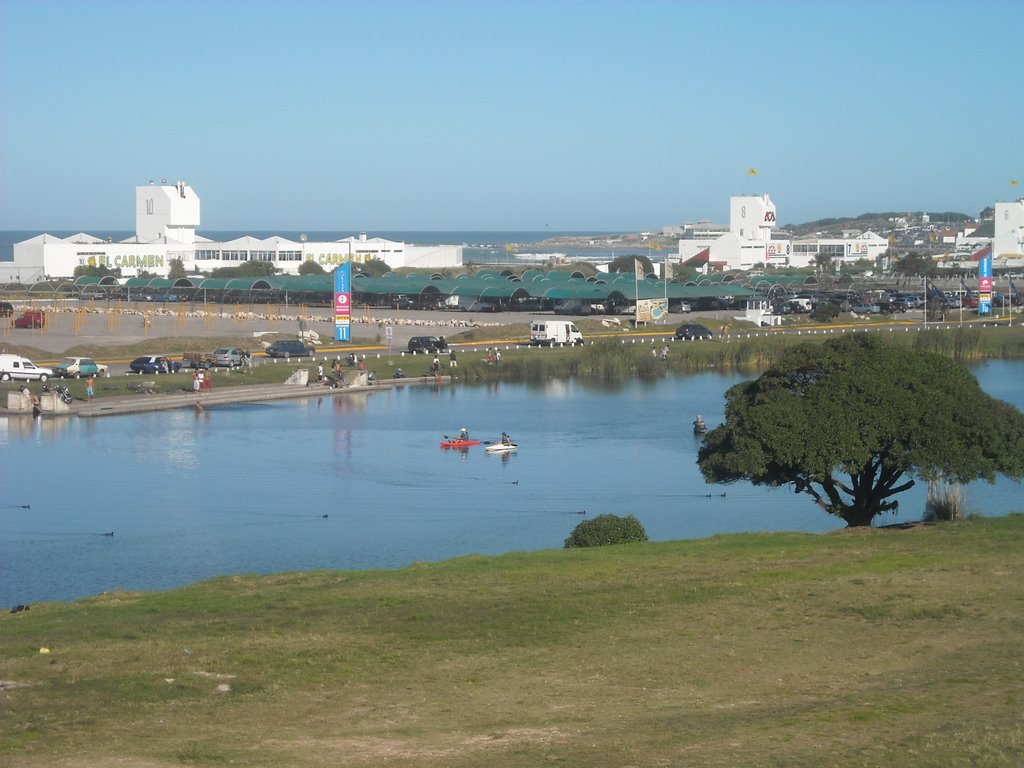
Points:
x=655, y=246
x=511, y=248
x=751, y=171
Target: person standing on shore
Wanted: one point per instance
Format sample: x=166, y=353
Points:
x=89, y=384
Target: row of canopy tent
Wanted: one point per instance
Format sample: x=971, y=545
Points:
x=489, y=285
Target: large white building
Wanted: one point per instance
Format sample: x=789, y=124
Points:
x=1008, y=235
x=166, y=218
x=748, y=243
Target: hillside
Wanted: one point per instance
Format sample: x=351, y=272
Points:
x=881, y=647
x=876, y=222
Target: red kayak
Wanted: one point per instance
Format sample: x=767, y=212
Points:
x=456, y=443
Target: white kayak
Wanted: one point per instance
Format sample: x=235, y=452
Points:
x=501, y=447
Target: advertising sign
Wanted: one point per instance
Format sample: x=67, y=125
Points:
x=343, y=302
x=985, y=285
x=651, y=310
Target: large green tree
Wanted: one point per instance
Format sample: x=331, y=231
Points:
x=627, y=264
x=853, y=421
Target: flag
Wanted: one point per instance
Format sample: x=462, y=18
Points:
x=1013, y=289
x=751, y=171
x=639, y=267
x=668, y=271
x=509, y=248
x=655, y=246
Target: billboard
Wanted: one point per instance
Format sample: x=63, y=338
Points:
x=651, y=310
x=985, y=285
x=343, y=302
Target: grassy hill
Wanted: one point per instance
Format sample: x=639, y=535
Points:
x=876, y=222
x=880, y=647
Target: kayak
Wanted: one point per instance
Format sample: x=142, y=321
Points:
x=501, y=448
x=456, y=443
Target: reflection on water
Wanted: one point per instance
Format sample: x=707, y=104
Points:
x=245, y=488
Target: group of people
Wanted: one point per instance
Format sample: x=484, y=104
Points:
x=663, y=354
x=201, y=379
x=464, y=435
x=31, y=398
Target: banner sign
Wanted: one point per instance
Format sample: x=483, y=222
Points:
x=985, y=285
x=651, y=310
x=343, y=302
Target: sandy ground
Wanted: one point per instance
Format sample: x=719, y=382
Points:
x=70, y=329
x=67, y=330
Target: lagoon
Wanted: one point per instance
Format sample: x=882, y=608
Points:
x=359, y=481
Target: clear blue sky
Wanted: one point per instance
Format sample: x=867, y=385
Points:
x=379, y=115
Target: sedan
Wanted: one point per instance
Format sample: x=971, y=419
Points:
x=229, y=356
x=77, y=367
x=154, y=364
x=691, y=331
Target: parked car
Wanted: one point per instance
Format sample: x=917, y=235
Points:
x=154, y=364
x=77, y=367
x=229, y=356
x=691, y=331
x=18, y=367
x=427, y=344
x=287, y=348
x=196, y=360
x=573, y=307
x=6, y=309
x=32, y=318
x=865, y=309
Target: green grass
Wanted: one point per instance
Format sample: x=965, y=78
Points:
x=887, y=647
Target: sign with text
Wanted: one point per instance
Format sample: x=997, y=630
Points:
x=343, y=302
x=985, y=285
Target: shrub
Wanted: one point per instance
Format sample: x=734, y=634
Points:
x=606, y=529
x=944, y=502
x=825, y=312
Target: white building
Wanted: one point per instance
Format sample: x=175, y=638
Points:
x=867, y=246
x=748, y=243
x=1008, y=235
x=166, y=218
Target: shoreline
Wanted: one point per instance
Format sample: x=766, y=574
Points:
x=244, y=393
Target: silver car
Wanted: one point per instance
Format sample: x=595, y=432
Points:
x=229, y=356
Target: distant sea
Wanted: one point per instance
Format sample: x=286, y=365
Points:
x=480, y=247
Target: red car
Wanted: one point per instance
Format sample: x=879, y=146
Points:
x=32, y=318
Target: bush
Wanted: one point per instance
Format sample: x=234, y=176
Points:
x=825, y=312
x=606, y=529
x=945, y=502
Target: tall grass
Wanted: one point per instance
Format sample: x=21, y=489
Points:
x=945, y=502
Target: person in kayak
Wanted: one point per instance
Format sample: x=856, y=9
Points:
x=463, y=434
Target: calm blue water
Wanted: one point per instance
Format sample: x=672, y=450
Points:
x=244, y=488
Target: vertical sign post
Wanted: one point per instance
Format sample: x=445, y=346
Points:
x=343, y=302
x=985, y=285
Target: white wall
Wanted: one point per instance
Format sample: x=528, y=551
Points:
x=1009, y=229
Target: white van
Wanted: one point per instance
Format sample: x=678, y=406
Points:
x=18, y=367
x=551, y=332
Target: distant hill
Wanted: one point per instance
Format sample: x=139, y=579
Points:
x=876, y=222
